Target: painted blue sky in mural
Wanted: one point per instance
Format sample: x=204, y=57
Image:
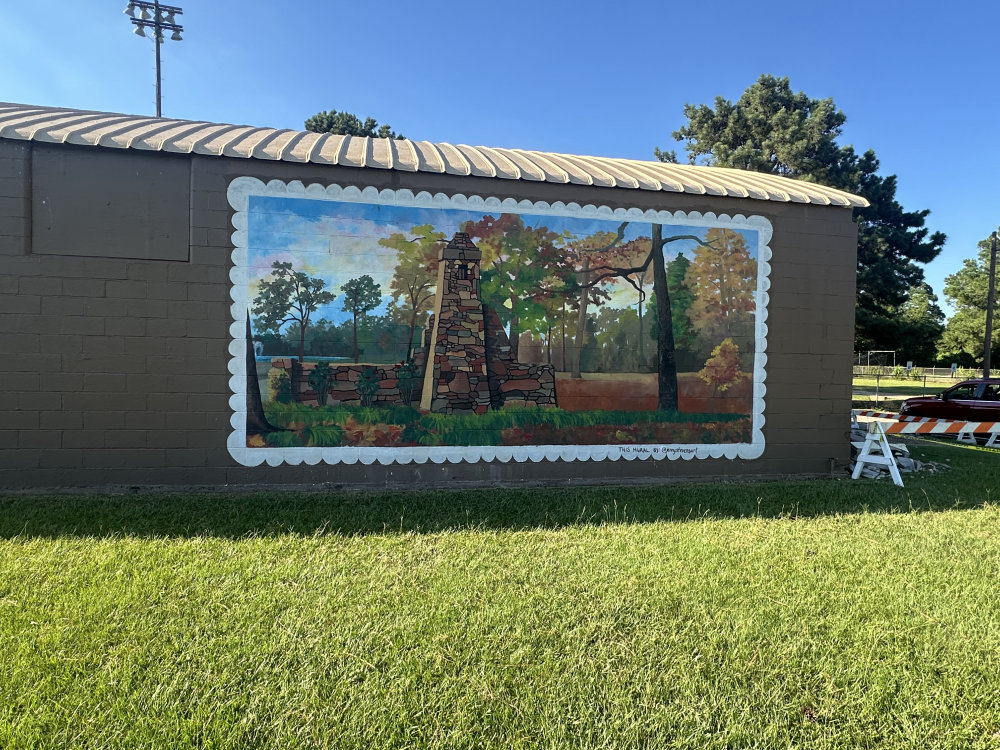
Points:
x=338, y=241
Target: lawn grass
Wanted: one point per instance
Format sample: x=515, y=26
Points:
x=882, y=404
x=905, y=386
x=898, y=389
x=823, y=614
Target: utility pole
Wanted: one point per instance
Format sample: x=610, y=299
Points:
x=990, y=299
x=153, y=15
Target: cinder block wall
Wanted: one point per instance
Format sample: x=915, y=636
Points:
x=114, y=366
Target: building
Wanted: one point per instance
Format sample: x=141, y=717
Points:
x=134, y=250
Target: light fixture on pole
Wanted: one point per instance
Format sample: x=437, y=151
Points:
x=153, y=15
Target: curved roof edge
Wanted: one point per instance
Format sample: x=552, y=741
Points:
x=109, y=130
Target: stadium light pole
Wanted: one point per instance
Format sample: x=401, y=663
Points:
x=159, y=18
x=990, y=299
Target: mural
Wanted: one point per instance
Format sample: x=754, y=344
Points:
x=393, y=327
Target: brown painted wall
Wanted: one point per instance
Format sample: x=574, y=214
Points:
x=114, y=369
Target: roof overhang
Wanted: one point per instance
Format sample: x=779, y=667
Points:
x=109, y=130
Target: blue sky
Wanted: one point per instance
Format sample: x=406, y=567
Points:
x=917, y=81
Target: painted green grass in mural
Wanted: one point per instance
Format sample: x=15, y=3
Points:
x=804, y=614
x=336, y=426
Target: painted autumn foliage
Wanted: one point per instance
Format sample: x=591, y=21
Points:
x=722, y=276
x=722, y=370
x=642, y=311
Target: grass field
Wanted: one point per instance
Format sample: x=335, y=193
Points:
x=907, y=387
x=823, y=614
x=898, y=390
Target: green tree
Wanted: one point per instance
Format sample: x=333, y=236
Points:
x=681, y=299
x=773, y=130
x=617, y=332
x=967, y=289
x=344, y=123
x=361, y=296
x=922, y=323
x=415, y=278
x=590, y=354
x=522, y=266
x=891, y=244
x=637, y=252
x=289, y=297
x=770, y=129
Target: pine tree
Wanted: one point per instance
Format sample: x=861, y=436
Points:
x=771, y=129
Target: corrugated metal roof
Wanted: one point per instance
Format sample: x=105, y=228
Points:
x=109, y=130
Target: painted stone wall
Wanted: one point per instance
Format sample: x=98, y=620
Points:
x=513, y=382
x=355, y=385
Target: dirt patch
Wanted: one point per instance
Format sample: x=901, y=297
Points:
x=638, y=392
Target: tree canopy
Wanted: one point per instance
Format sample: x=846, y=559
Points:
x=522, y=268
x=771, y=129
x=967, y=290
x=361, y=296
x=922, y=323
x=344, y=123
x=289, y=296
x=414, y=281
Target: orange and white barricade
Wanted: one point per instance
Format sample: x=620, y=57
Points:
x=964, y=431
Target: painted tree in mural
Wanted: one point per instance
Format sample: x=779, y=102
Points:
x=521, y=267
x=637, y=253
x=681, y=299
x=722, y=369
x=415, y=277
x=361, y=296
x=619, y=338
x=289, y=297
x=560, y=318
x=722, y=277
x=665, y=350
x=587, y=254
x=773, y=130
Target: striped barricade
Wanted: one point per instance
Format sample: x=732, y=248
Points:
x=964, y=431
x=894, y=415
x=870, y=413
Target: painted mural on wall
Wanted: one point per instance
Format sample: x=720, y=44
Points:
x=393, y=327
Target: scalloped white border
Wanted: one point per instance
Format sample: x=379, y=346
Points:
x=240, y=190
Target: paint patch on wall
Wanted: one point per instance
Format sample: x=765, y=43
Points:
x=398, y=327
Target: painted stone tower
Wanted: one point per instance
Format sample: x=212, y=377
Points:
x=455, y=378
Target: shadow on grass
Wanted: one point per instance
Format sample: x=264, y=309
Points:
x=236, y=515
